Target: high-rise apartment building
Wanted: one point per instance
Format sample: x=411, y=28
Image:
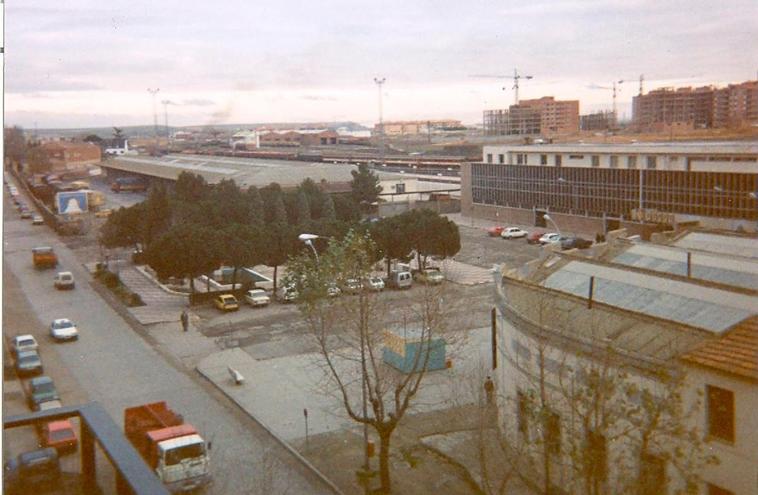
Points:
x=703, y=107
x=545, y=115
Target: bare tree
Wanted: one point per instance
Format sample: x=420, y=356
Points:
x=351, y=337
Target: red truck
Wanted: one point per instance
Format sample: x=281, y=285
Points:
x=171, y=447
x=44, y=257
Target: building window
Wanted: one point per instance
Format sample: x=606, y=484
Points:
x=614, y=161
x=558, y=160
x=489, y=157
x=543, y=159
x=519, y=159
x=595, y=161
x=501, y=158
x=652, y=162
x=631, y=162
x=720, y=411
x=717, y=490
x=576, y=157
x=652, y=474
x=400, y=188
x=522, y=412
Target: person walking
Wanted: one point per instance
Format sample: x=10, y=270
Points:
x=185, y=320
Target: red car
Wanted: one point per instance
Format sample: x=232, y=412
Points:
x=59, y=435
x=534, y=237
x=495, y=231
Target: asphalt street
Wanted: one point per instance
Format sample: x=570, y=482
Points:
x=114, y=366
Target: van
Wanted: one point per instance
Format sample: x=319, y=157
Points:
x=401, y=279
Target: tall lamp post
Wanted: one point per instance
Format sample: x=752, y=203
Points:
x=379, y=83
x=573, y=193
x=549, y=219
x=154, y=92
x=308, y=240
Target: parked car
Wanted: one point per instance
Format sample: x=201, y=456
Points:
x=430, y=276
x=352, y=286
x=41, y=389
x=63, y=329
x=513, y=233
x=575, y=242
x=226, y=302
x=26, y=214
x=374, y=283
x=257, y=297
x=401, y=279
x=332, y=290
x=59, y=435
x=32, y=472
x=64, y=280
x=28, y=363
x=287, y=294
x=495, y=231
x=24, y=342
x=38, y=220
x=534, y=237
x=550, y=238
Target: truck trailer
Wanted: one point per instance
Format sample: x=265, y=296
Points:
x=172, y=448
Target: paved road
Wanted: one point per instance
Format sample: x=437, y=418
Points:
x=117, y=368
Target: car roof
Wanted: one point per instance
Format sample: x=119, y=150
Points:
x=41, y=379
x=65, y=273
x=61, y=424
x=26, y=336
x=37, y=455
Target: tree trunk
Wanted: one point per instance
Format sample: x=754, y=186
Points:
x=275, y=269
x=192, y=283
x=234, y=278
x=389, y=268
x=384, y=462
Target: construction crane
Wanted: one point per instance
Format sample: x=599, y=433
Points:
x=515, y=77
x=615, y=89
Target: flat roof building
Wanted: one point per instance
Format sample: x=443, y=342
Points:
x=596, y=188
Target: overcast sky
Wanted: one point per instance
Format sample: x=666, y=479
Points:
x=81, y=63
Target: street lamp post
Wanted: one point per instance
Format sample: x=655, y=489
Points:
x=153, y=92
x=379, y=82
x=308, y=240
x=547, y=217
x=573, y=193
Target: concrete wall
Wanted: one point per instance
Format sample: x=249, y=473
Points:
x=738, y=470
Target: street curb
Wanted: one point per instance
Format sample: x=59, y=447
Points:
x=163, y=287
x=284, y=444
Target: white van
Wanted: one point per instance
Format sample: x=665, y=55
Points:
x=401, y=279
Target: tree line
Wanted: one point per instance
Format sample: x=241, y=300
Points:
x=196, y=227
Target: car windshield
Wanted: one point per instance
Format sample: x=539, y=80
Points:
x=62, y=324
x=61, y=435
x=177, y=455
x=44, y=388
x=28, y=358
x=25, y=342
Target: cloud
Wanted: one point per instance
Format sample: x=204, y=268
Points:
x=197, y=102
x=318, y=98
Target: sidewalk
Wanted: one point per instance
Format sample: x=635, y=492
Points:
x=160, y=305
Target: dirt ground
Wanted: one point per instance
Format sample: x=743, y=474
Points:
x=415, y=470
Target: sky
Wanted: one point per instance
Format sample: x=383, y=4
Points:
x=87, y=63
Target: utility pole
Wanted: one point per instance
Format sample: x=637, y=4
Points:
x=166, y=103
x=379, y=83
x=153, y=92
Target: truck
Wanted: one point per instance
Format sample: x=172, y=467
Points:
x=44, y=257
x=172, y=448
x=129, y=184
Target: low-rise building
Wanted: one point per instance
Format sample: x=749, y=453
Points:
x=65, y=155
x=630, y=366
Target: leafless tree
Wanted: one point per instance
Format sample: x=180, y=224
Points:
x=352, y=337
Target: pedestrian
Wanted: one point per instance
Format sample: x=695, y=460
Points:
x=185, y=320
x=489, y=390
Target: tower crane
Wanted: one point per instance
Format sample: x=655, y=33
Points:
x=515, y=77
x=615, y=89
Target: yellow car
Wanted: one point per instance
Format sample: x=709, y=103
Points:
x=226, y=302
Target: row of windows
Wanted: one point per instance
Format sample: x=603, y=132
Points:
x=614, y=161
x=616, y=192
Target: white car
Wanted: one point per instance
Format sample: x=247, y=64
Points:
x=38, y=220
x=257, y=297
x=24, y=343
x=513, y=233
x=550, y=238
x=63, y=329
x=64, y=280
x=375, y=284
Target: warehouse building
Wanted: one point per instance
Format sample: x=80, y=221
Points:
x=596, y=188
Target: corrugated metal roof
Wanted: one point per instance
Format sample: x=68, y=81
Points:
x=746, y=247
x=736, y=352
x=737, y=272
x=711, y=309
